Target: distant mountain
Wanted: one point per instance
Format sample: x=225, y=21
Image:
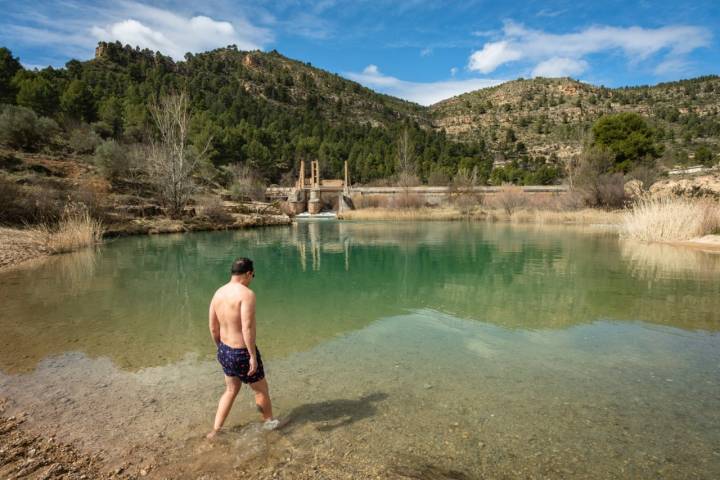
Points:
x=553, y=115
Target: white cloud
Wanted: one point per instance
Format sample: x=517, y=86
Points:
x=453, y=71
x=419, y=92
x=175, y=34
x=425, y=52
x=493, y=55
x=559, y=67
x=565, y=52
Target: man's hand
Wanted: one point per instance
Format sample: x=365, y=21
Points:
x=253, y=366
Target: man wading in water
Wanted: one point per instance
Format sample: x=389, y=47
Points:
x=232, y=326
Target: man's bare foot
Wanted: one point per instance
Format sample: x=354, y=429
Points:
x=212, y=434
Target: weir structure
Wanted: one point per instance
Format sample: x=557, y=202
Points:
x=310, y=194
x=307, y=194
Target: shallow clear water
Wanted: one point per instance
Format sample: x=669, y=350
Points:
x=395, y=349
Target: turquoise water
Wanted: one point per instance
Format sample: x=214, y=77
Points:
x=396, y=349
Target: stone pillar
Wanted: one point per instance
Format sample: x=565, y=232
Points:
x=296, y=201
x=315, y=202
x=346, y=183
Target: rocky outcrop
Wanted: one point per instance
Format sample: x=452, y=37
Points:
x=700, y=186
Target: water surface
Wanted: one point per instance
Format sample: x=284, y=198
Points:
x=429, y=349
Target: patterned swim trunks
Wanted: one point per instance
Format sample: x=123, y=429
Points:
x=235, y=362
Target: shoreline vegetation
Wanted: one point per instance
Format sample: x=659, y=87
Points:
x=663, y=218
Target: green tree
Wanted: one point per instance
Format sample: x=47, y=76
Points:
x=704, y=156
x=9, y=66
x=77, y=101
x=110, y=113
x=628, y=138
x=37, y=93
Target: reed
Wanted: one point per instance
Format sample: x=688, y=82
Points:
x=76, y=230
x=671, y=219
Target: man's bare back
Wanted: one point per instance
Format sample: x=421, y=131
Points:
x=228, y=305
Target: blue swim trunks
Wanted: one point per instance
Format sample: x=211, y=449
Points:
x=235, y=362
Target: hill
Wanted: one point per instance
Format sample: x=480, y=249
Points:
x=268, y=111
x=545, y=117
x=256, y=108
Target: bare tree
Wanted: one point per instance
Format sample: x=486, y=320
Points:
x=462, y=190
x=407, y=176
x=172, y=160
x=406, y=170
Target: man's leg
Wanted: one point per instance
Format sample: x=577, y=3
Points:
x=232, y=387
x=262, y=398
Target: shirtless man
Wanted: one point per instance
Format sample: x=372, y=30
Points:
x=232, y=326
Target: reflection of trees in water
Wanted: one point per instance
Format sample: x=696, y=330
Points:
x=514, y=276
x=142, y=300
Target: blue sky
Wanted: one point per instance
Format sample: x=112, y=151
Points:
x=420, y=50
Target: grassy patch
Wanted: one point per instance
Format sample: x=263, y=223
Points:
x=671, y=219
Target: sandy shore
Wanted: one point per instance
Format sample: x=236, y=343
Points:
x=708, y=243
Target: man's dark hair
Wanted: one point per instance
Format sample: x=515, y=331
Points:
x=242, y=265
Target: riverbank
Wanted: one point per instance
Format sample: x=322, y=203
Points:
x=587, y=216
x=19, y=246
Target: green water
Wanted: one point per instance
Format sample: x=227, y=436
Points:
x=551, y=349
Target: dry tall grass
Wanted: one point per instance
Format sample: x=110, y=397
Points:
x=585, y=216
x=671, y=219
x=76, y=230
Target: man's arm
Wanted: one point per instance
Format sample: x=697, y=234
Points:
x=214, y=324
x=247, y=317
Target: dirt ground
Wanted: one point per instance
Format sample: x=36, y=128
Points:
x=23, y=455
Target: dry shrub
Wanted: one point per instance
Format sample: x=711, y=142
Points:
x=27, y=205
x=509, y=198
x=246, y=184
x=438, y=178
x=462, y=190
x=671, y=219
x=211, y=207
x=370, y=201
x=586, y=216
x=406, y=200
x=75, y=230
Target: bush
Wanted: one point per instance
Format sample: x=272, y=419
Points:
x=21, y=128
x=83, y=140
x=600, y=188
x=509, y=198
x=112, y=159
x=463, y=192
x=246, y=183
x=26, y=205
x=407, y=200
x=212, y=208
x=438, y=178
